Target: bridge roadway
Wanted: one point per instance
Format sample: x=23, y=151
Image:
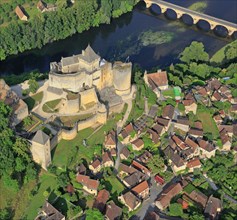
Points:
x=196, y=16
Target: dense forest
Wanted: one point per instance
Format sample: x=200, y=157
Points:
x=18, y=36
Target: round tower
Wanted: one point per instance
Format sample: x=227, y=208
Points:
x=101, y=114
x=122, y=73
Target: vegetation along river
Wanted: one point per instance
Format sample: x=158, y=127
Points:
x=142, y=36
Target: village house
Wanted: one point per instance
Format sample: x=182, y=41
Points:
x=81, y=169
x=89, y=185
x=179, y=142
x=144, y=157
x=182, y=123
x=229, y=129
x=113, y=152
x=159, y=179
x=163, y=200
x=218, y=119
x=107, y=160
x=130, y=200
x=101, y=199
x=194, y=164
x=196, y=196
x=206, y=149
x=157, y=81
x=140, y=167
x=126, y=133
x=195, y=132
x=159, y=129
x=190, y=106
x=151, y=216
x=213, y=208
x=226, y=140
x=124, y=154
x=153, y=136
x=110, y=141
x=183, y=203
x=113, y=212
x=216, y=96
x=133, y=179
x=168, y=112
x=20, y=13
x=137, y=144
x=95, y=166
x=176, y=162
x=165, y=122
x=141, y=190
x=188, y=141
x=41, y=6
x=214, y=84
x=234, y=108
x=49, y=212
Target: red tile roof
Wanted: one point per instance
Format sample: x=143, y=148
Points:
x=101, y=199
x=86, y=181
x=140, y=187
x=194, y=163
x=138, y=143
x=158, y=78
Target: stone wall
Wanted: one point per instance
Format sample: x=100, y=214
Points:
x=69, y=134
x=88, y=96
x=72, y=82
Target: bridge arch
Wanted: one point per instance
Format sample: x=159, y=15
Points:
x=180, y=11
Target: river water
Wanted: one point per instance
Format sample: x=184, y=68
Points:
x=142, y=36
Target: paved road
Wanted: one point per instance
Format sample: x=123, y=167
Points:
x=191, y=12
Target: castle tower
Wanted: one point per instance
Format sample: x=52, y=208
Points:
x=122, y=73
x=40, y=149
x=101, y=113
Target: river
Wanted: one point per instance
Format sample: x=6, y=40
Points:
x=142, y=36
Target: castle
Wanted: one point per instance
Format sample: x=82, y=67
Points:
x=83, y=83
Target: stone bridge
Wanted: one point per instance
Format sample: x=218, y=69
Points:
x=196, y=16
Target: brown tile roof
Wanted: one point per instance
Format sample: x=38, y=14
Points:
x=166, y=195
x=113, y=212
x=127, y=169
x=197, y=197
x=81, y=169
x=138, y=143
x=217, y=96
x=113, y=152
x=163, y=121
x=127, y=130
x=101, y=199
x=158, y=128
x=96, y=163
x=179, y=142
x=154, y=135
x=224, y=136
x=70, y=188
x=131, y=200
x=188, y=102
x=86, y=181
x=144, y=157
x=140, y=167
x=168, y=111
x=51, y=212
x=158, y=78
x=202, y=91
x=140, y=187
x=198, y=124
x=134, y=178
x=41, y=5
x=183, y=120
x=234, y=108
x=214, y=84
x=191, y=143
x=228, y=128
x=152, y=216
x=213, y=208
x=125, y=152
x=196, y=132
x=106, y=157
x=19, y=12
x=194, y=163
x=110, y=139
x=206, y=145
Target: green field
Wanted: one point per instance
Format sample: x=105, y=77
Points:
x=32, y=101
x=51, y=105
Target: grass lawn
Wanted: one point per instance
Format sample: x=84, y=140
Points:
x=189, y=188
x=209, y=125
x=168, y=93
x=32, y=101
x=62, y=152
x=51, y=105
x=75, y=118
x=113, y=184
x=47, y=182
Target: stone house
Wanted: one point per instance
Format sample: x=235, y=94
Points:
x=113, y=152
x=216, y=96
x=144, y=157
x=40, y=149
x=190, y=106
x=159, y=129
x=157, y=81
x=195, y=132
x=112, y=212
x=153, y=136
x=188, y=141
x=89, y=185
x=194, y=164
x=110, y=141
x=165, y=122
x=151, y=215
x=213, y=208
x=229, y=129
x=49, y=212
x=124, y=154
x=107, y=160
x=226, y=140
x=20, y=13
x=206, y=149
x=182, y=123
x=198, y=197
x=137, y=144
x=141, y=168
x=126, y=133
x=95, y=166
x=218, y=119
x=168, y=112
x=164, y=198
x=101, y=199
x=130, y=200
x=133, y=179
x=141, y=190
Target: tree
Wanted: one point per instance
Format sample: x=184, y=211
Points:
x=156, y=164
x=63, y=179
x=195, y=52
x=94, y=214
x=33, y=85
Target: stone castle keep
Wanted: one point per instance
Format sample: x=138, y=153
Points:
x=84, y=84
